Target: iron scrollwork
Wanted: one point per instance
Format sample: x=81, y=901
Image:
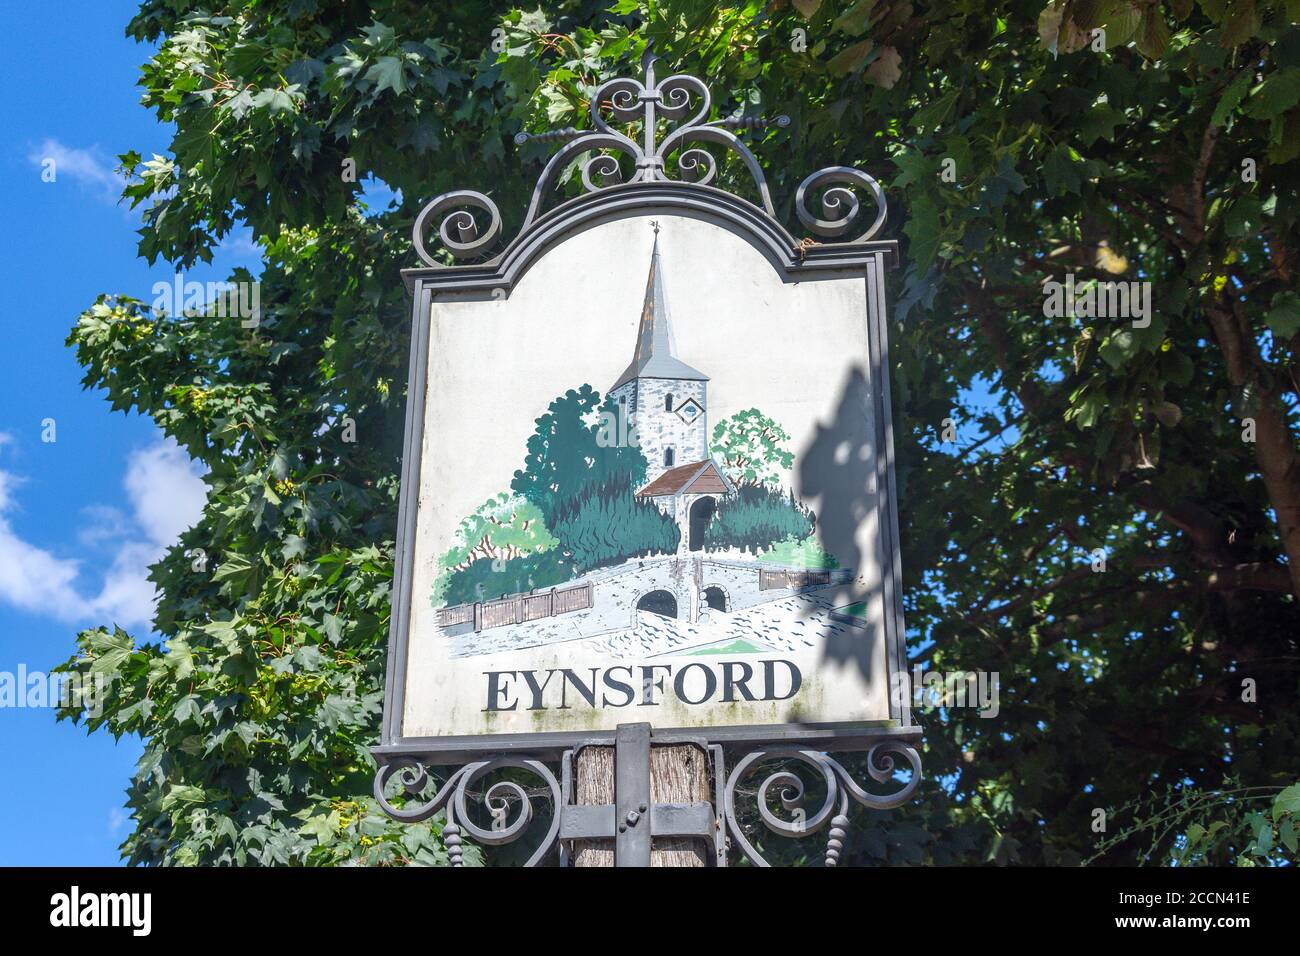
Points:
x=840, y=787
x=681, y=99
x=454, y=794
x=840, y=204
x=510, y=805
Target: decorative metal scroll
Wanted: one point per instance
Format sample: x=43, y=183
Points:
x=453, y=797
x=681, y=99
x=511, y=808
x=840, y=787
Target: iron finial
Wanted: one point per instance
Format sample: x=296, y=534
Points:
x=648, y=56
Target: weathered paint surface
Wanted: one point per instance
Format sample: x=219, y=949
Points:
x=616, y=593
x=798, y=350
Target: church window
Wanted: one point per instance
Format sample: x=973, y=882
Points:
x=668, y=402
x=668, y=457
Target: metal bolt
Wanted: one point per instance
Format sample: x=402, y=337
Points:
x=632, y=818
x=642, y=808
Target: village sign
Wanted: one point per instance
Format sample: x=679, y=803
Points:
x=647, y=480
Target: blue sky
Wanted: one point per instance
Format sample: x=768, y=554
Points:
x=82, y=516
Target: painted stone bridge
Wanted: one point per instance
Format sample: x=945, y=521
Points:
x=691, y=588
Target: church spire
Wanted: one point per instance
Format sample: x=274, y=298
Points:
x=656, y=353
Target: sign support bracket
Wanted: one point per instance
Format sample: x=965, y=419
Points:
x=632, y=821
x=632, y=795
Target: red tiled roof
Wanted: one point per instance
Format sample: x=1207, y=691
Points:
x=700, y=477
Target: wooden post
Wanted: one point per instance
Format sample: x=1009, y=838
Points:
x=679, y=773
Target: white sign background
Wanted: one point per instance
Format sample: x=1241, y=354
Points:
x=495, y=364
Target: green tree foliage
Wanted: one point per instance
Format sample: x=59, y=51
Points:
x=756, y=518
x=750, y=447
x=260, y=703
x=566, y=457
x=1014, y=150
x=1184, y=826
x=607, y=525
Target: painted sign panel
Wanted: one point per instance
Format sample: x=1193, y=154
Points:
x=649, y=489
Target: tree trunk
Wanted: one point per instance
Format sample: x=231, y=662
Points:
x=1275, y=448
x=679, y=773
x=1274, y=445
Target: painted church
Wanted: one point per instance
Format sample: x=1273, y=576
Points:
x=667, y=401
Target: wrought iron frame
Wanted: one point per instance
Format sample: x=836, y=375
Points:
x=648, y=101
x=648, y=190
x=632, y=820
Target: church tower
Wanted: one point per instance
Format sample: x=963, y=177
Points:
x=660, y=394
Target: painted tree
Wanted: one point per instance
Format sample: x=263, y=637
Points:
x=502, y=528
x=505, y=526
x=1016, y=149
x=607, y=525
x=751, y=448
x=566, y=453
x=484, y=580
x=756, y=518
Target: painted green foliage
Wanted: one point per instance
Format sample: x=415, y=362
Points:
x=1009, y=155
x=804, y=552
x=584, y=485
x=577, y=490
x=756, y=518
x=566, y=458
x=484, y=580
x=750, y=447
x=503, y=528
x=607, y=525
x=573, y=510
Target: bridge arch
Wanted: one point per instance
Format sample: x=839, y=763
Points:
x=715, y=597
x=664, y=601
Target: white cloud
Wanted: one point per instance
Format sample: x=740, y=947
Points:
x=166, y=494
x=103, y=523
x=33, y=579
x=88, y=167
x=166, y=491
x=8, y=482
x=127, y=593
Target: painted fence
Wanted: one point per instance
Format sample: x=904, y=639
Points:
x=770, y=580
x=517, y=608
